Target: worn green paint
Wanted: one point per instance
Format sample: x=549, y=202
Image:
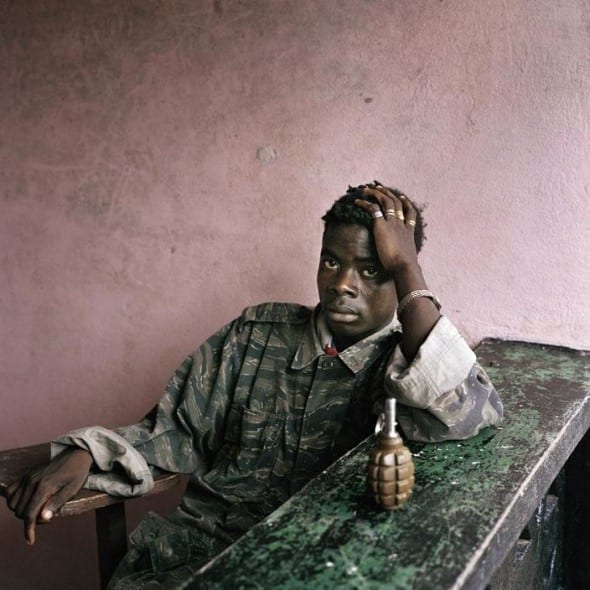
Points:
x=330, y=535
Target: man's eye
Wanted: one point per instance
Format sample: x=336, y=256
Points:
x=330, y=263
x=371, y=272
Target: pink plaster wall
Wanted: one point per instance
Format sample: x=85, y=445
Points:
x=164, y=164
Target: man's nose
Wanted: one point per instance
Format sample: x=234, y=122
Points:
x=346, y=283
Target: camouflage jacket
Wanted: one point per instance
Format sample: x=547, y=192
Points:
x=259, y=409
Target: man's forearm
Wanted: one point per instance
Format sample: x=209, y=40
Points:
x=420, y=315
x=107, y=449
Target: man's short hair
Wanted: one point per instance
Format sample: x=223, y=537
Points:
x=344, y=211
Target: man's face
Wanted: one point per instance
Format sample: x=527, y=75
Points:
x=355, y=296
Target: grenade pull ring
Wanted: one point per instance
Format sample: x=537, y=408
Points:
x=390, y=472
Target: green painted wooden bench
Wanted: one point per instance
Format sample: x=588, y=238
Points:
x=486, y=512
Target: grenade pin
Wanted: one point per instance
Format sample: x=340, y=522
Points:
x=390, y=472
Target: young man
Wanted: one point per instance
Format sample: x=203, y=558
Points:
x=277, y=395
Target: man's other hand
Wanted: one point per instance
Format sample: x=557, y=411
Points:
x=40, y=494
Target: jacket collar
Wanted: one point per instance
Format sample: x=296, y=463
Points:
x=355, y=357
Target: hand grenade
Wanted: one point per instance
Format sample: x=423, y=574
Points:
x=391, y=469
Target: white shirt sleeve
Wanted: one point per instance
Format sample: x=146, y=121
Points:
x=443, y=393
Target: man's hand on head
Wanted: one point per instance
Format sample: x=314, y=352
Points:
x=394, y=222
x=393, y=227
x=40, y=494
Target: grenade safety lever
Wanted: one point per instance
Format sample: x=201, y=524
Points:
x=390, y=470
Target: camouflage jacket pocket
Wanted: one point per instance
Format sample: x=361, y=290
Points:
x=253, y=440
x=166, y=545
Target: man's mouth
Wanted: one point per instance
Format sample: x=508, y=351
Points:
x=341, y=314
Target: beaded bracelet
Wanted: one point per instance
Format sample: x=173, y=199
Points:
x=407, y=299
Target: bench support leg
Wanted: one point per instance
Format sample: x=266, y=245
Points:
x=577, y=535
x=111, y=533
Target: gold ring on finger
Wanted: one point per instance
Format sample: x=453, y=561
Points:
x=411, y=223
x=399, y=215
x=390, y=213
